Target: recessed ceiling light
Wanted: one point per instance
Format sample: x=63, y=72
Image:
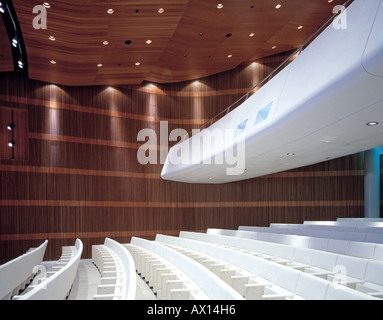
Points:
x=110, y=11
x=105, y=43
x=99, y=65
x=46, y=5
x=230, y=55
x=372, y=123
x=274, y=47
x=148, y=41
x=291, y=154
x=278, y=6
x=137, y=63
x=220, y=6
x=329, y=1
x=161, y=10
x=52, y=38
x=300, y=27
x=251, y=35
x=53, y=61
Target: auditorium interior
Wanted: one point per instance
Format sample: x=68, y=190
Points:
x=191, y=150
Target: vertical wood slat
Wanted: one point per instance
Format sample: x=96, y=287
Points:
x=76, y=185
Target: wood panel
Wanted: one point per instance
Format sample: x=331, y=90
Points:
x=82, y=178
x=177, y=53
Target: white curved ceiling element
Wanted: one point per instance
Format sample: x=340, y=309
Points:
x=315, y=109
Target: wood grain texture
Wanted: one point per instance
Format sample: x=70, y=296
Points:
x=82, y=178
x=177, y=53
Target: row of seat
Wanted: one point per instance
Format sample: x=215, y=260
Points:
x=166, y=280
x=362, y=274
x=117, y=270
x=368, y=250
x=175, y=276
x=269, y=279
x=319, y=231
x=16, y=274
x=55, y=284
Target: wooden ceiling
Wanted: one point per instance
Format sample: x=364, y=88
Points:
x=189, y=40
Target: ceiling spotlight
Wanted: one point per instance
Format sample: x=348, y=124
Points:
x=3, y=6
x=148, y=41
x=137, y=63
x=53, y=61
x=11, y=126
x=274, y=47
x=372, y=123
x=11, y=143
x=278, y=6
x=100, y=65
x=52, y=38
x=46, y=5
x=110, y=11
x=291, y=154
x=300, y=27
x=251, y=35
x=220, y=6
x=20, y=63
x=15, y=40
x=161, y=10
x=230, y=55
x=105, y=43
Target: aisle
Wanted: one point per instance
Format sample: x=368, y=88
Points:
x=88, y=277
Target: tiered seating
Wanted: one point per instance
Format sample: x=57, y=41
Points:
x=361, y=234
x=117, y=269
x=16, y=274
x=264, y=279
x=175, y=276
x=355, y=248
x=57, y=283
x=47, y=285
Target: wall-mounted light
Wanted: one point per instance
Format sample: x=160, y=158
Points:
x=3, y=6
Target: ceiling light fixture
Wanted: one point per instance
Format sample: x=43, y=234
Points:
x=137, y=63
x=291, y=154
x=11, y=126
x=278, y=6
x=161, y=10
x=99, y=65
x=20, y=63
x=3, y=5
x=46, y=5
x=110, y=11
x=251, y=35
x=220, y=6
x=52, y=38
x=372, y=123
x=230, y=55
x=15, y=40
x=148, y=41
x=105, y=43
x=11, y=143
x=53, y=61
x=300, y=27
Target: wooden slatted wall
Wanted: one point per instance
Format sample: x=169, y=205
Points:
x=82, y=178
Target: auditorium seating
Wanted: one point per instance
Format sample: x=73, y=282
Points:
x=196, y=281
x=117, y=269
x=273, y=280
x=57, y=282
x=17, y=273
